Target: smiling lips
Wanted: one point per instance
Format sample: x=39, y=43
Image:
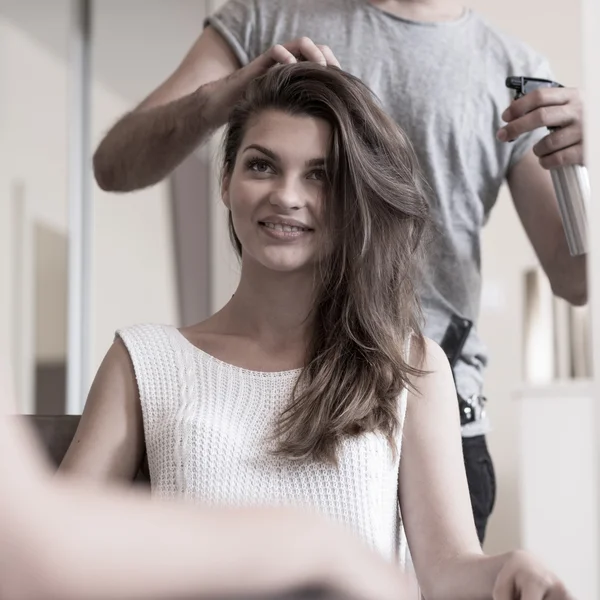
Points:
x=284, y=229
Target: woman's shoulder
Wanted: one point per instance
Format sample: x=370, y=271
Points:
x=434, y=378
x=425, y=354
x=144, y=339
x=144, y=329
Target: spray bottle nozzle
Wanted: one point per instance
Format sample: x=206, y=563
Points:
x=515, y=83
x=525, y=85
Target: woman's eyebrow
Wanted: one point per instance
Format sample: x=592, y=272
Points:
x=313, y=162
x=262, y=149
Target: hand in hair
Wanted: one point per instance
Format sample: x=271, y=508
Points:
x=229, y=91
x=297, y=50
x=146, y=144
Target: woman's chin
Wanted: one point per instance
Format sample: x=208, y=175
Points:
x=287, y=264
x=279, y=260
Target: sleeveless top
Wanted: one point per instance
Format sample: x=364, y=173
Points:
x=208, y=426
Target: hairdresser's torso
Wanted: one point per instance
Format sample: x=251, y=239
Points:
x=443, y=82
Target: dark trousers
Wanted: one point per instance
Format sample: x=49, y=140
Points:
x=481, y=479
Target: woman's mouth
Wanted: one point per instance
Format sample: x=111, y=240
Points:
x=284, y=230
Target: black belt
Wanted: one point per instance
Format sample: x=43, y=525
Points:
x=472, y=408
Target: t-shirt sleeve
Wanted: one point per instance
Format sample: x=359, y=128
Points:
x=236, y=21
x=525, y=142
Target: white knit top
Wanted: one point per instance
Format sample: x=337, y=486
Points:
x=207, y=426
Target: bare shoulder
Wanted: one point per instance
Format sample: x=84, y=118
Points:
x=109, y=440
x=427, y=355
x=434, y=357
x=435, y=382
x=115, y=371
x=115, y=383
x=118, y=355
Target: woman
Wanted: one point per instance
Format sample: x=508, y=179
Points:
x=308, y=386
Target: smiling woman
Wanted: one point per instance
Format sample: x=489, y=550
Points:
x=301, y=381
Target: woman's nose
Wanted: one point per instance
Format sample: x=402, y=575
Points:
x=289, y=196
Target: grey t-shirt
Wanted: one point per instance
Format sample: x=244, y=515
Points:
x=444, y=84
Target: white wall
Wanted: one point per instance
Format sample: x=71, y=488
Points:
x=133, y=276
x=134, y=255
x=33, y=151
x=133, y=266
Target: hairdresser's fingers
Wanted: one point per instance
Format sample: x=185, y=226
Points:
x=329, y=56
x=302, y=49
x=546, y=116
x=558, y=140
x=546, y=107
x=573, y=155
x=281, y=55
x=305, y=49
x=538, y=98
x=311, y=52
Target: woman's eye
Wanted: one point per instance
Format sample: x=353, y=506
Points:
x=259, y=166
x=318, y=174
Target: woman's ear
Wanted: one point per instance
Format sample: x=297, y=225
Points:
x=225, y=190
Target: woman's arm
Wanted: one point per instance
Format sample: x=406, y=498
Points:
x=109, y=442
x=61, y=540
x=436, y=507
x=434, y=496
x=86, y=544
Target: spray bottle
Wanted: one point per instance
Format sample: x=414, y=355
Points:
x=571, y=182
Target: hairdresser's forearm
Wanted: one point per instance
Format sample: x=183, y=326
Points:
x=146, y=145
x=568, y=277
x=121, y=548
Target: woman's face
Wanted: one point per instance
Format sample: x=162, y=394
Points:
x=276, y=190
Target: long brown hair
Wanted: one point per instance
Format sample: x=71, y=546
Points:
x=367, y=307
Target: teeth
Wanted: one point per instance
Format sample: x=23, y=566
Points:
x=286, y=228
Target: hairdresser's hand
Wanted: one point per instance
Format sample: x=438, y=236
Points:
x=523, y=578
x=226, y=92
x=301, y=49
x=549, y=107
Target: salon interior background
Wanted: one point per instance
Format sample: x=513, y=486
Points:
x=140, y=244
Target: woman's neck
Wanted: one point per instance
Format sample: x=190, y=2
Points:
x=271, y=308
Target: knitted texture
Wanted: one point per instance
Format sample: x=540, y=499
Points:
x=207, y=427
